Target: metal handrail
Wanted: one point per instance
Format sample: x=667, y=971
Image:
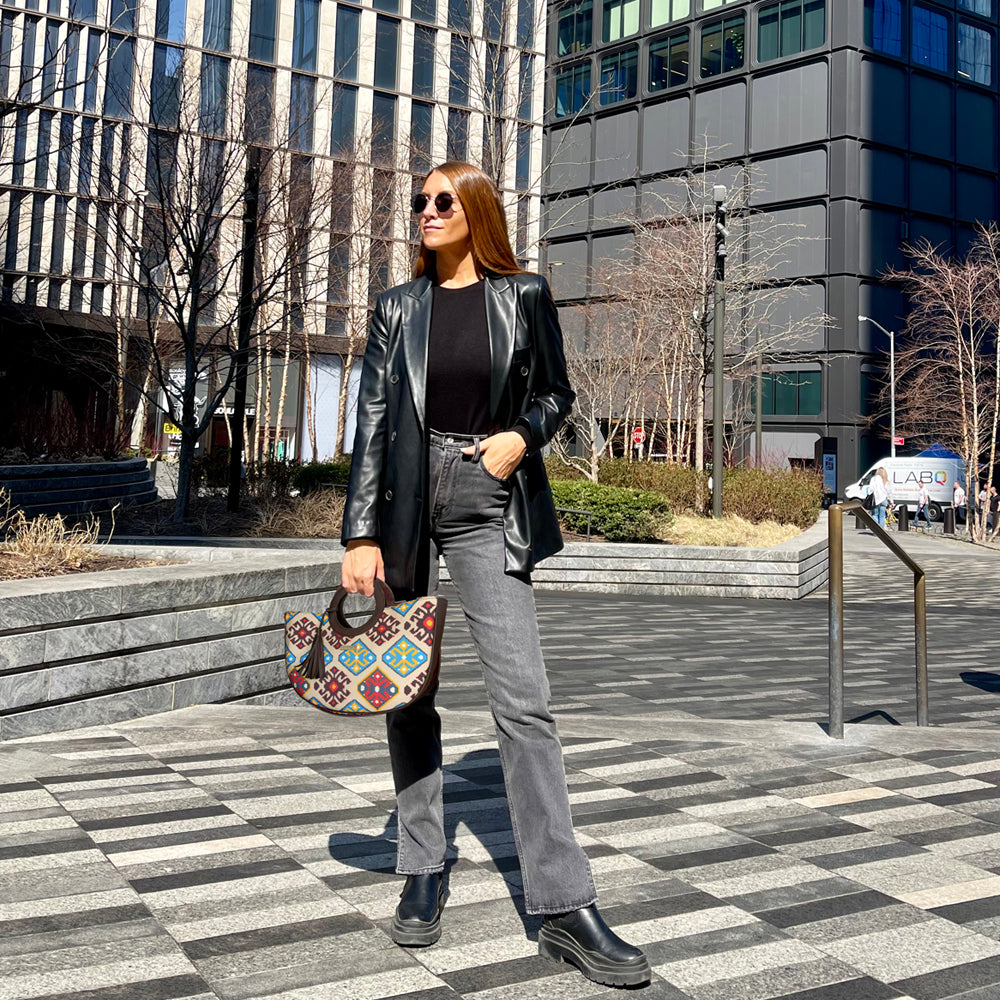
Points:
x=570, y=510
x=836, y=543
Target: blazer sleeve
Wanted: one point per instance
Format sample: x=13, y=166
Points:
x=361, y=513
x=553, y=398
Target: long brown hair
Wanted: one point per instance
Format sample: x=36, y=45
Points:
x=487, y=222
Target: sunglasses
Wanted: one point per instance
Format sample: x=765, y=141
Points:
x=442, y=202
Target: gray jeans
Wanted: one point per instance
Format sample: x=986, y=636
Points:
x=467, y=505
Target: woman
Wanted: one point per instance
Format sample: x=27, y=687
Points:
x=464, y=382
x=881, y=497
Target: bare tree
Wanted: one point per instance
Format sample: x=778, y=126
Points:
x=948, y=363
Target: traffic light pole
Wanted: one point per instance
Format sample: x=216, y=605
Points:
x=718, y=349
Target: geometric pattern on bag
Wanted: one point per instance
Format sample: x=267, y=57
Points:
x=371, y=669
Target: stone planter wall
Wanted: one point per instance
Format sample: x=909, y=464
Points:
x=79, y=487
x=95, y=648
x=791, y=570
x=92, y=648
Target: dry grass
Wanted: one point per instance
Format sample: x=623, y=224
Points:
x=688, y=529
x=315, y=515
x=49, y=546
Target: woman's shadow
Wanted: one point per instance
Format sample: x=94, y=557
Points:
x=470, y=800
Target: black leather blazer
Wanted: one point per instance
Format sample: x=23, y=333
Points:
x=387, y=494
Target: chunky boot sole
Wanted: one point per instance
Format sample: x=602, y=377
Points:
x=562, y=947
x=415, y=934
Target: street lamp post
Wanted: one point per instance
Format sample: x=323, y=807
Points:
x=892, y=379
x=719, y=346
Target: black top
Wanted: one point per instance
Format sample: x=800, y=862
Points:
x=458, y=361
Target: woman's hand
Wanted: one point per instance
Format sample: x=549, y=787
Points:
x=501, y=453
x=362, y=563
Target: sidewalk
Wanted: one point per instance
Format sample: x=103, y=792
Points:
x=245, y=851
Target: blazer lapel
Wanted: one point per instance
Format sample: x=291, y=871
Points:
x=416, y=342
x=500, y=319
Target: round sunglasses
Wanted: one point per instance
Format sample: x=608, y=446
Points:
x=442, y=202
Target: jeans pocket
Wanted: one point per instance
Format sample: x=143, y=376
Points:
x=496, y=479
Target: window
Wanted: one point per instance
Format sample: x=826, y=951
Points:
x=789, y=27
x=522, y=171
x=526, y=24
x=575, y=29
x=930, y=38
x=884, y=26
x=58, y=234
x=20, y=145
x=459, y=16
x=715, y=4
x=667, y=11
x=458, y=85
x=13, y=218
x=301, y=112
x=525, y=86
x=974, y=53
x=386, y=52
x=424, y=10
x=305, y=34
x=345, y=107
x=43, y=147
x=421, y=134
x=668, y=61
x=6, y=45
x=106, y=163
x=84, y=166
x=619, y=75
x=260, y=104
x=49, y=66
x=214, y=88
x=118, y=95
x=123, y=14
x=458, y=134
x=35, y=236
x=722, y=46
x=164, y=109
x=383, y=127
x=345, y=46
x=217, y=25
x=389, y=6
x=621, y=18
x=83, y=10
x=982, y=7
x=28, y=59
x=170, y=16
x=496, y=79
x=69, y=69
x=65, y=155
x=791, y=393
x=494, y=17
x=263, y=29
x=572, y=89
x=423, y=61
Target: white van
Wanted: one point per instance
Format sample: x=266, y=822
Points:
x=906, y=476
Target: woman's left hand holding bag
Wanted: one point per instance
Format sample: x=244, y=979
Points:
x=501, y=453
x=362, y=563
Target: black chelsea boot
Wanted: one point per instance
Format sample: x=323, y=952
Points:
x=417, y=921
x=582, y=938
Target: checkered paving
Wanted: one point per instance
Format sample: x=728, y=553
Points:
x=244, y=851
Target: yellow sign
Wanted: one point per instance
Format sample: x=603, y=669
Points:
x=169, y=428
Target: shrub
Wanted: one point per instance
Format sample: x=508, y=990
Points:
x=621, y=515
x=317, y=515
x=271, y=479
x=555, y=468
x=317, y=475
x=680, y=484
x=788, y=497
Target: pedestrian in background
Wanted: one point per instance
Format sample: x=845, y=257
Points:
x=879, y=491
x=959, y=501
x=923, y=506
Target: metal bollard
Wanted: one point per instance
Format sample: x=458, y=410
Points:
x=903, y=517
x=949, y=520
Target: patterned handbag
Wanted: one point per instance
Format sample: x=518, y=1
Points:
x=386, y=663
